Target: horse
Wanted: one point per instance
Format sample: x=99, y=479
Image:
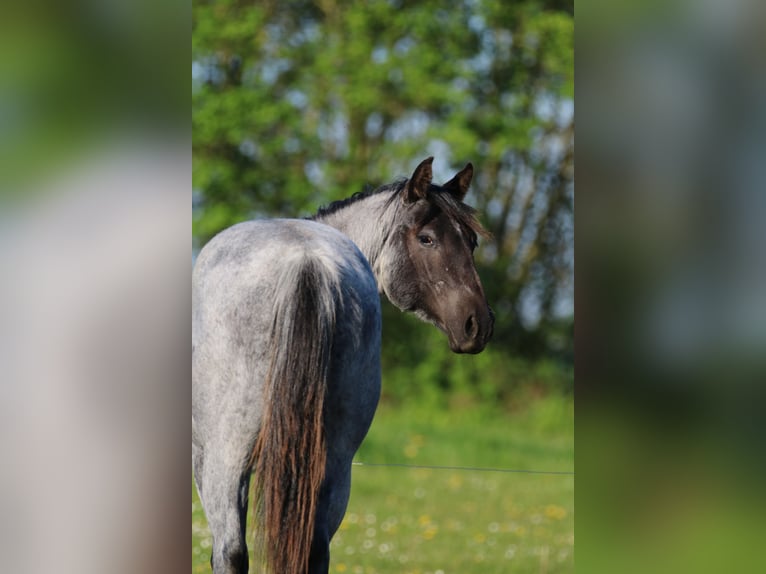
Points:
x=286, y=335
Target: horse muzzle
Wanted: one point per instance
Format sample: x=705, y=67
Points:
x=473, y=334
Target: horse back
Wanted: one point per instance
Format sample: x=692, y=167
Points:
x=238, y=281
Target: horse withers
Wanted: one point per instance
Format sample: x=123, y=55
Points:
x=286, y=328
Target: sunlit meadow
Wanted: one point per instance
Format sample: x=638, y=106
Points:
x=412, y=520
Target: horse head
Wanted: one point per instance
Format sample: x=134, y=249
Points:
x=428, y=268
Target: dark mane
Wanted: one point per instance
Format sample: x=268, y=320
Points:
x=331, y=208
x=462, y=214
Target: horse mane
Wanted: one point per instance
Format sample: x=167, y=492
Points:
x=335, y=206
x=462, y=214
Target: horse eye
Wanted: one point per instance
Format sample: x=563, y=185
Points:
x=425, y=240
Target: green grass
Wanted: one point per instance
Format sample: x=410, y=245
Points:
x=402, y=520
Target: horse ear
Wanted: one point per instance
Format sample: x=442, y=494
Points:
x=417, y=185
x=458, y=185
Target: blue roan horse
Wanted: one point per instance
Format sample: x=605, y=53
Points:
x=286, y=354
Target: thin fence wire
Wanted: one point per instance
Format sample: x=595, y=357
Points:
x=465, y=468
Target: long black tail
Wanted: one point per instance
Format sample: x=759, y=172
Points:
x=290, y=454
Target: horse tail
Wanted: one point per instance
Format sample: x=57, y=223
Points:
x=290, y=452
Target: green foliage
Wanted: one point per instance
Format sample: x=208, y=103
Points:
x=296, y=104
x=429, y=373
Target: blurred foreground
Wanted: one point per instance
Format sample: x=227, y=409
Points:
x=95, y=178
x=671, y=286
x=94, y=400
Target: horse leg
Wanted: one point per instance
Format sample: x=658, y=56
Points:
x=331, y=507
x=319, y=559
x=226, y=498
x=341, y=490
x=198, y=456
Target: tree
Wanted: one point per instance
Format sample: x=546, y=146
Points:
x=296, y=104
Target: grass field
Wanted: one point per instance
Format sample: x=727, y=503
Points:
x=408, y=520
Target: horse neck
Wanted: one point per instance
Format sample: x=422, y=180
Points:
x=368, y=223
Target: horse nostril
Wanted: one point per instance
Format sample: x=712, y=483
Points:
x=471, y=327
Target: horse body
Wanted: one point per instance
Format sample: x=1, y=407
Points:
x=286, y=327
x=233, y=340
